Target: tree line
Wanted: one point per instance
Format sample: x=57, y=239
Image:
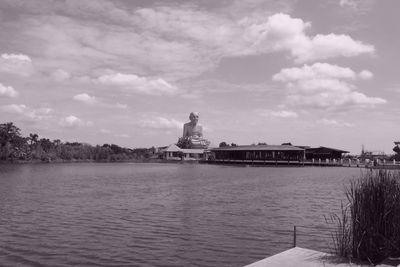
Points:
x=15, y=147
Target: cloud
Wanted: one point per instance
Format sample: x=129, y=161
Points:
x=20, y=57
x=123, y=135
x=85, y=98
x=325, y=86
x=138, y=84
x=330, y=122
x=366, y=75
x=16, y=64
x=26, y=112
x=161, y=123
x=281, y=32
x=60, y=75
x=315, y=71
x=360, y=6
x=71, y=122
x=105, y=131
x=329, y=46
x=172, y=42
x=334, y=100
x=7, y=91
x=121, y=106
x=284, y=114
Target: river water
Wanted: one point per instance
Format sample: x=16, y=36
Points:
x=134, y=214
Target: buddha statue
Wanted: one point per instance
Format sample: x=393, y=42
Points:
x=193, y=133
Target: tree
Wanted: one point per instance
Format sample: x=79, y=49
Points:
x=183, y=143
x=8, y=133
x=33, y=139
x=11, y=141
x=223, y=144
x=46, y=144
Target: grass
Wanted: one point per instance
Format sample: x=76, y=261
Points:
x=368, y=228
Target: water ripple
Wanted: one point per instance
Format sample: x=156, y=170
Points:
x=161, y=214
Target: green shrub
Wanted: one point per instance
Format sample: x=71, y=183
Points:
x=372, y=231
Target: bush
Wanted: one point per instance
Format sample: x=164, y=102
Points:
x=372, y=233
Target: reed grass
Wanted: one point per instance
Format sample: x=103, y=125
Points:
x=368, y=228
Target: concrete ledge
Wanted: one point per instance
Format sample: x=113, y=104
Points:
x=301, y=257
x=295, y=257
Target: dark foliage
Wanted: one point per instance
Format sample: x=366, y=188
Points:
x=370, y=230
x=13, y=147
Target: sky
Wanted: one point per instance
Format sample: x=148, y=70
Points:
x=309, y=72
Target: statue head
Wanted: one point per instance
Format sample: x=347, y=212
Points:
x=194, y=117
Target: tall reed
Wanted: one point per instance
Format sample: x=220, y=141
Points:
x=372, y=233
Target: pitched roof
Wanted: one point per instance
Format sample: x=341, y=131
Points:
x=258, y=148
x=172, y=148
x=192, y=150
x=328, y=148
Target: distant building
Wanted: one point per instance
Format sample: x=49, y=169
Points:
x=173, y=152
x=324, y=153
x=259, y=153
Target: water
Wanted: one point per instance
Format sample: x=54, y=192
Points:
x=161, y=214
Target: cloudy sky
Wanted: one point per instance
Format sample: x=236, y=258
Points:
x=308, y=72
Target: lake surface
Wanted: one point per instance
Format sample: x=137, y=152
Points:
x=133, y=214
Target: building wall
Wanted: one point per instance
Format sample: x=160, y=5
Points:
x=258, y=155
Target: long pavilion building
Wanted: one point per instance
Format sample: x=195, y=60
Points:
x=259, y=154
x=275, y=154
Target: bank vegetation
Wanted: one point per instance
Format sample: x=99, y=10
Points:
x=17, y=148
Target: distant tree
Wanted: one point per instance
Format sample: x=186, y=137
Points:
x=233, y=144
x=223, y=144
x=262, y=144
x=33, y=139
x=183, y=143
x=8, y=133
x=116, y=149
x=14, y=146
x=287, y=144
x=11, y=141
x=46, y=144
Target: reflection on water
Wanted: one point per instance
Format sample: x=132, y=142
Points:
x=160, y=214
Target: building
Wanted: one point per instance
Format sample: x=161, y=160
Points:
x=324, y=153
x=173, y=152
x=258, y=153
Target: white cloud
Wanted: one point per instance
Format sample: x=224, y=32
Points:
x=366, y=75
x=16, y=64
x=330, y=46
x=60, y=75
x=322, y=85
x=85, y=98
x=286, y=114
x=7, y=91
x=71, y=122
x=121, y=106
x=315, y=71
x=180, y=41
x=334, y=100
x=26, y=112
x=161, y=123
x=138, y=84
x=331, y=122
x=280, y=32
x=343, y=3
x=20, y=57
x=123, y=135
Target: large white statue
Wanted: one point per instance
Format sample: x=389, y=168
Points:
x=193, y=133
